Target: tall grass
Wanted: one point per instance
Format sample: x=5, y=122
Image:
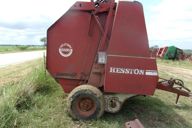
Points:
x=37, y=101
x=19, y=98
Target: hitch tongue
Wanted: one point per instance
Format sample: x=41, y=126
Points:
x=175, y=86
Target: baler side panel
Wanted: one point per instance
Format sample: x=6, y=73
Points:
x=129, y=68
x=130, y=75
x=72, y=28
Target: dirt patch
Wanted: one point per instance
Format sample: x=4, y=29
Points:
x=186, y=73
x=14, y=73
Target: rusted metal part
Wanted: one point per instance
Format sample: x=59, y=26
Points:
x=85, y=106
x=114, y=102
x=188, y=57
x=85, y=102
x=66, y=75
x=86, y=6
x=134, y=124
x=175, y=86
x=71, y=76
x=161, y=52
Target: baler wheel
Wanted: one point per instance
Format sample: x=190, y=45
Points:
x=85, y=102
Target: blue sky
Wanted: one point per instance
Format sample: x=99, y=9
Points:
x=169, y=22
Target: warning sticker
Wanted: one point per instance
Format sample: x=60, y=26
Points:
x=65, y=50
x=151, y=72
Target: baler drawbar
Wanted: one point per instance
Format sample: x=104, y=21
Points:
x=174, y=86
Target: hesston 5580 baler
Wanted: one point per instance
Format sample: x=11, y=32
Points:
x=98, y=52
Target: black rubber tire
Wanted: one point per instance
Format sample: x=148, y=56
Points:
x=85, y=91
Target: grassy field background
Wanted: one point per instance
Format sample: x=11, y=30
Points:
x=29, y=98
x=18, y=48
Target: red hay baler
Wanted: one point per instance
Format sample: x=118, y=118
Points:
x=98, y=52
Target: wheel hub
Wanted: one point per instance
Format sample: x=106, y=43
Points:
x=86, y=104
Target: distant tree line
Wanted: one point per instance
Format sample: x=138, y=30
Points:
x=44, y=40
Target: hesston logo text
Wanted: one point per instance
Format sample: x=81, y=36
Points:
x=127, y=71
x=133, y=71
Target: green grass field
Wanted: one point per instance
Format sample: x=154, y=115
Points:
x=35, y=100
x=181, y=64
x=18, y=48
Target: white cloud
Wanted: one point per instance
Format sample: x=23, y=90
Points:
x=171, y=22
x=32, y=9
x=26, y=21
